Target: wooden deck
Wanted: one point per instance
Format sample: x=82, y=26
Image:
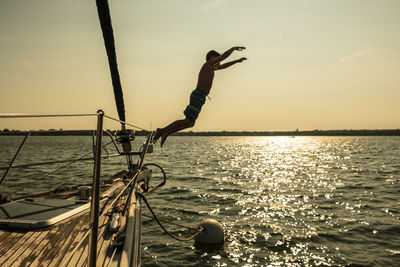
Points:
x=53, y=246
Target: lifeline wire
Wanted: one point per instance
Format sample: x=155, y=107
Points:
x=54, y=171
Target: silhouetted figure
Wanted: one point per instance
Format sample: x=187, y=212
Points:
x=198, y=96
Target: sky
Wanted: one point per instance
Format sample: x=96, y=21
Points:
x=312, y=64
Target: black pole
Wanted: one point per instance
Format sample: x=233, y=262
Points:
x=95, y=205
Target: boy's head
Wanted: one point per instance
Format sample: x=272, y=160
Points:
x=212, y=54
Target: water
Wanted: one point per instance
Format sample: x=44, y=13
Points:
x=300, y=201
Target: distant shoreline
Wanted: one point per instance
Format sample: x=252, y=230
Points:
x=387, y=132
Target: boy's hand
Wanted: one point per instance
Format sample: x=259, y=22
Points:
x=239, y=48
x=242, y=59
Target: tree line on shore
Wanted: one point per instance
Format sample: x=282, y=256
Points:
x=317, y=132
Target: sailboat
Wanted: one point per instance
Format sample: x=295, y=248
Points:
x=96, y=224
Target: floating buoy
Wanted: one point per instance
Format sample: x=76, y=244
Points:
x=213, y=232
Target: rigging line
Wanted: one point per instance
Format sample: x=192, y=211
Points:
x=132, y=181
x=199, y=229
x=123, y=122
x=137, y=169
x=13, y=115
x=15, y=157
x=103, y=11
x=120, y=194
x=58, y=161
x=56, y=170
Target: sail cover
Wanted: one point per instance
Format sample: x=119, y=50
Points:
x=103, y=11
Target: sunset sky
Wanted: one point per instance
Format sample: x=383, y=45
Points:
x=312, y=64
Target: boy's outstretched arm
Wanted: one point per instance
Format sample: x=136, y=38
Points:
x=230, y=63
x=226, y=54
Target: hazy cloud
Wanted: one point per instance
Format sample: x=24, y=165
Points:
x=212, y=5
x=359, y=53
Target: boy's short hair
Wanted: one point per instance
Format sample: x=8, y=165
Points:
x=212, y=54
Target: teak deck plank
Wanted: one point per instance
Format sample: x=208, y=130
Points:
x=80, y=256
x=14, y=248
x=83, y=260
x=34, y=257
x=56, y=241
x=69, y=259
x=65, y=250
x=25, y=250
x=103, y=241
x=4, y=235
x=53, y=246
x=10, y=241
x=104, y=249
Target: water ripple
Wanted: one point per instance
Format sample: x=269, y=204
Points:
x=301, y=201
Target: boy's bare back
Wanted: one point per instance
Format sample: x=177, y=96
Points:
x=206, y=77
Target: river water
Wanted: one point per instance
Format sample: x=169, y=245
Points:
x=302, y=201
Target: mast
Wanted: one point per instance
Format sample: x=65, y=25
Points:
x=103, y=11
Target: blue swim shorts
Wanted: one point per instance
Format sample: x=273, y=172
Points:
x=197, y=100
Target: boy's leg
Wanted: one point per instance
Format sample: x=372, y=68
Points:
x=197, y=100
x=172, y=128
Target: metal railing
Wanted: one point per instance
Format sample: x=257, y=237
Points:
x=95, y=204
x=95, y=201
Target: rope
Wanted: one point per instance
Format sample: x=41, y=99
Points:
x=103, y=11
x=199, y=229
x=173, y=223
x=120, y=194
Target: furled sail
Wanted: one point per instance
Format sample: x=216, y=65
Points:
x=108, y=36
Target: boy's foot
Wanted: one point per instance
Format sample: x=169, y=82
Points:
x=157, y=135
x=163, y=139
